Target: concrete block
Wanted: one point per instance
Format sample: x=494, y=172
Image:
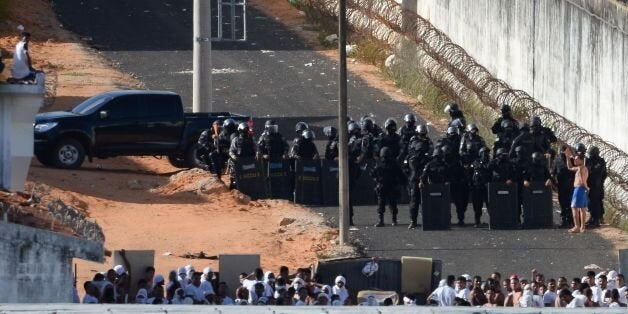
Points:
x=18, y=106
x=138, y=260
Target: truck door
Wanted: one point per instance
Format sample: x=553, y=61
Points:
x=163, y=123
x=116, y=126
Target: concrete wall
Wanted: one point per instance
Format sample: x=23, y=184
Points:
x=36, y=265
x=571, y=55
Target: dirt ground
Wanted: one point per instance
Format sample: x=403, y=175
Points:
x=143, y=202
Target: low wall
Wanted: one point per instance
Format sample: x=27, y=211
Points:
x=36, y=265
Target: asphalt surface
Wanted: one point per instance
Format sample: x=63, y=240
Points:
x=273, y=74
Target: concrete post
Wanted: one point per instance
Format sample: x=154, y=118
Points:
x=202, y=64
x=18, y=106
x=343, y=154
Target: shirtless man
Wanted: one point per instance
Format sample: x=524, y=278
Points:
x=579, y=200
x=512, y=300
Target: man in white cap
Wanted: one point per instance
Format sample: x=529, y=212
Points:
x=340, y=289
x=183, y=277
x=119, y=269
x=207, y=285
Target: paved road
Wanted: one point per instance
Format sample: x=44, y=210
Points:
x=271, y=75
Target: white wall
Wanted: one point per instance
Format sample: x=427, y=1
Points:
x=571, y=55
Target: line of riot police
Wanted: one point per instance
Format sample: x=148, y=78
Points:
x=405, y=159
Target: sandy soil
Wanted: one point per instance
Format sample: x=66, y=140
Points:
x=135, y=200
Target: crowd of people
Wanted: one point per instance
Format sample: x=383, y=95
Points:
x=188, y=286
x=407, y=158
x=604, y=289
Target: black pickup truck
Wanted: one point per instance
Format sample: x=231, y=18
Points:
x=123, y=123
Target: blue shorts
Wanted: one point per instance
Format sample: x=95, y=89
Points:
x=579, y=198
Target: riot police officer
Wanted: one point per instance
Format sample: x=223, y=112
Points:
x=505, y=137
x=355, y=158
x=524, y=139
x=471, y=144
x=597, y=175
x=369, y=139
x=563, y=178
x=305, y=147
x=539, y=136
x=331, y=148
x=419, y=151
x=207, y=151
x=390, y=138
x=407, y=131
x=389, y=179
x=300, y=127
x=451, y=139
x=436, y=172
x=223, y=142
x=242, y=146
x=502, y=170
x=272, y=145
x=455, y=113
x=481, y=176
x=499, y=127
x=459, y=184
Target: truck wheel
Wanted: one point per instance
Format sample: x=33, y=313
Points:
x=178, y=161
x=44, y=159
x=193, y=156
x=68, y=154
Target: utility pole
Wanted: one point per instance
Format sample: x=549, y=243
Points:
x=202, y=58
x=343, y=160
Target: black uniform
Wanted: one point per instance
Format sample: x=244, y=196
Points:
x=597, y=174
x=525, y=140
x=451, y=140
x=406, y=132
x=331, y=148
x=481, y=176
x=355, y=153
x=223, y=144
x=563, y=178
x=470, y=147
x=437, y=172
x=419, y=150
x=459, y=184
x=273, y=145
x=391, y=140
x=242, y=146
x=303, y=149
x=389, y=178
x=504, y=140
x=208, y=153
x=537, y=171
x=498, y=129
x=541, y=142
x=502, y=170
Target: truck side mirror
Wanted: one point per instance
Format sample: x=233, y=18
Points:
x=103, y=115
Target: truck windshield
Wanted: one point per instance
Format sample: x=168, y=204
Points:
x=91, y=104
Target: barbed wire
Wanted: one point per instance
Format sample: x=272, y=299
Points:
x=388, y=21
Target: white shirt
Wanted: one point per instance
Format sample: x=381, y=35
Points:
x=549, y=297
x=20, y=61
x=446, y=296
x=227, y=301
x=463, y=293
x=578, y=301
x=207, y=288
x=341, y=292
x=622, y=294
x=250, y=285
x=195, y=293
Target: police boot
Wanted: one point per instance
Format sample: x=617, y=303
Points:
x=394, y=220
x=381, y=220
x=412, y=225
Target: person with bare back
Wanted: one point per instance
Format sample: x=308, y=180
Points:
x=579, y=200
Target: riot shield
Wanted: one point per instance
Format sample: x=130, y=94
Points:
x=537, y=206
x=435, y=207
x=249, y=179
x=330, y=181
x=502, y=206
x=277, y=178
x=307, y=186
x=364, y=189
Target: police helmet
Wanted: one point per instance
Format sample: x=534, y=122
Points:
x=484, y=150
x=330, y=131
x=535, y=122
x=537, y=157
x=301, y=126
x=385, y=153
x=308, y=135
x=229, y=124
x=269, y=123
x=505, y=109
x=390, y=124
x=501, y=152
x=421, y=129
x=507, y=125
x=243, y=128
x=593, y=151
x=452, y=107
x=472, y=127
x=367, y=124
x=580, y=148
x=409, y=118
x=353, y=127
x=452, y=130
x=271, y=126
